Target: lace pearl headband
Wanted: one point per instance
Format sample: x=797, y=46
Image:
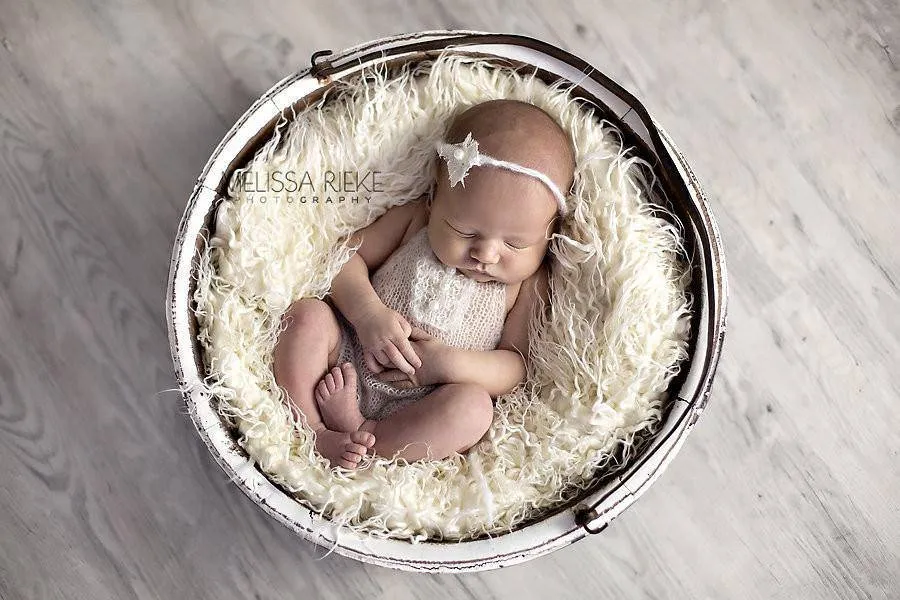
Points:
x=463, y=156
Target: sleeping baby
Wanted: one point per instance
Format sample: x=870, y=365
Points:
x=407, y=363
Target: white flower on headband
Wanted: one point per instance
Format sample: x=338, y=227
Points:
x=463, y=156
x=460, y=158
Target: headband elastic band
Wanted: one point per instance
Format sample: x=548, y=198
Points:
x=463, y=156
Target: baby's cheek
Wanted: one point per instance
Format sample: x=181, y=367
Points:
x=447, y=251
x=532, y=263
x=456, y=248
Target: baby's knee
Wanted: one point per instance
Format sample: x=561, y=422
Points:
x=475, y=404
x=307, y=313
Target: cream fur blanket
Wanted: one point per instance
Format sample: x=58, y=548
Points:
x=599, y=365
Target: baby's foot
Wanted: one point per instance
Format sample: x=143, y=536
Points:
x=336, y=396
x=343, y=449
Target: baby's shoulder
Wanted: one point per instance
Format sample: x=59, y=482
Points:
x=418, y=221
x=512, y=292
x=515, y=328
x=538, y=284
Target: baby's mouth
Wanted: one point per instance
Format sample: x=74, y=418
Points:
x=475, y=273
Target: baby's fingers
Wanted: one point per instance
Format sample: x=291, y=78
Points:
x=419, y=334
x=369, y=358
x=410, y=353
x=404, y=325
x=398, y=359
x=392, y=375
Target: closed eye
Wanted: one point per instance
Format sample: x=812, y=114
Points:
x=460, y=233
x=471, y=235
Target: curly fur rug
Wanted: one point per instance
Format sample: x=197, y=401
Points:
x=600, y=362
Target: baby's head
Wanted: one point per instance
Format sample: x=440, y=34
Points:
x=500, y=221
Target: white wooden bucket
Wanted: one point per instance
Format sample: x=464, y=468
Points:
x=612, y=494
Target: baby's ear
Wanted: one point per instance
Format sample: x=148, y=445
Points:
x=553, y=226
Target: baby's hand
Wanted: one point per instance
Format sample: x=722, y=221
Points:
x=432, y=370
x=384, y=336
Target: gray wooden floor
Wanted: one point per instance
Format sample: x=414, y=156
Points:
x=789, y=110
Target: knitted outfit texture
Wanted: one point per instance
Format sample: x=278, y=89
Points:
x=455, y=309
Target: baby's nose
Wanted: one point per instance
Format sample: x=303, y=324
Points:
x=485, y=253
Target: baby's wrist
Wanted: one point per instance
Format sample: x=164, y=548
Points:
x=362, y=310
x=447, y=364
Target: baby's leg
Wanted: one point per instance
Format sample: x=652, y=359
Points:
x=306, y=349
x=452, y=418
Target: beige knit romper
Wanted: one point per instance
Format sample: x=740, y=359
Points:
x=455, y=309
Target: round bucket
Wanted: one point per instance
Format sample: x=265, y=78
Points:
x=612, y=492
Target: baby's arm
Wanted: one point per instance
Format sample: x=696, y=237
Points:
x=500, y=371
x=383, y=332
x=351, y=290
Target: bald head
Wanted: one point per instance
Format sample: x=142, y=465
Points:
x=518, y=132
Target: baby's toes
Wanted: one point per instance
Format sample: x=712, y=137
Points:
x=363, y=437
x=347, y=464
x=356, y=448
x=351, y=457
x=338, y=377
x=348, y=373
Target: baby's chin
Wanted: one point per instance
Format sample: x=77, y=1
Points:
x=479, y=277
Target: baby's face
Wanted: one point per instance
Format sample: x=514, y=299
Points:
x=496, y=228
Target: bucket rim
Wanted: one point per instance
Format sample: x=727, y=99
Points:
x=593, y=512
